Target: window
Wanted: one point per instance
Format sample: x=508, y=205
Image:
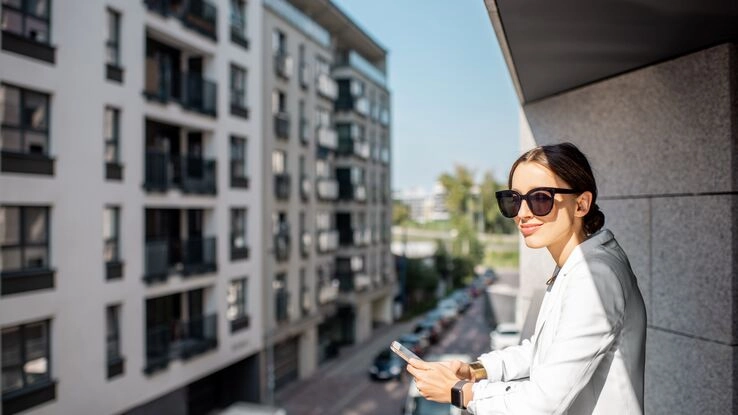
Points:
x=112, y=45
x=237, y=307
x=25, y=115
x=238, y=86
x=305, y=300
x=279, y=42
x=27, y=18
x=304, y=124
x=239, y=175
x=25, y=242
x=238, y=18
x=322, y=117
x=25, y=357
x=281, y=300
x=279, y=162
x=323, y=221
x=279, y=102
x=323, y=169
x=112, y=135
x=112, y=340
x=111, y=237
x=322, y=67
x=239, y=249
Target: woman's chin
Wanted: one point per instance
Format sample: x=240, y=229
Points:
x=531, y=241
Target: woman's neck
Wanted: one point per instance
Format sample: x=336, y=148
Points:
x=561, y=250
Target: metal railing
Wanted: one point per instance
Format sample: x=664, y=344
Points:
x=189, y=173
x=180, y=339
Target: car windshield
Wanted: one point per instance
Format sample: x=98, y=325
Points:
x=426, y=407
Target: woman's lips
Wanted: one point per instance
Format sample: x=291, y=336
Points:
x=528, y=230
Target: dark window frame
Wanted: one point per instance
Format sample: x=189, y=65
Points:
x=23, y=358
x=239, y=158
x=113, y=16
x=240, y=319
x=115, y=239
x=114, y=336
x=21, y=127
x=22, y=245
x=238, y=95
x=238, y=25
x=239, y=228
x=25, y=14
x=113, y=141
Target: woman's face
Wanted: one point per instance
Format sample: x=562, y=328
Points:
x=558, y=225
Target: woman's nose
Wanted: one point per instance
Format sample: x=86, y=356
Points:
x=524, y=211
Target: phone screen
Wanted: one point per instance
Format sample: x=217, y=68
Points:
x=403, y=351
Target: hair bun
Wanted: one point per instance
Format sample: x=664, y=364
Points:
x=594, y=220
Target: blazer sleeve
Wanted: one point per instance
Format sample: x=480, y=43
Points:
x=513, y=362
x=590, y=320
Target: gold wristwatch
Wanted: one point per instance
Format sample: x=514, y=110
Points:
x=478, y=372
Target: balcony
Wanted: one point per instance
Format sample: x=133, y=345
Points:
x=353, y=282
x=197, y=15
x=327, y=241
x=328, y=292
x=327, y=87
x=362, y=236
x=179, y=339
x=282, y=244
x=306, y=241
x=351, y=146
x=187, y=256
x=283, y=65
x=282, y=125
x=306, y=187
x=188, y=173
x=361, y=106
x=327, y=189
x=327, y=138
x=195, y=92
x=282, y=186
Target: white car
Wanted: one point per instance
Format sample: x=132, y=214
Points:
x=418, y=405
x=504, y=335
x=449, y=309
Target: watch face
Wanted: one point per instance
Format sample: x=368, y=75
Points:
x=457, y=394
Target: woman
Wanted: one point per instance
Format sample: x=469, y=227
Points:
x=586, y=355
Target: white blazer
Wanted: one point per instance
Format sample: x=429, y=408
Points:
x=587, y=353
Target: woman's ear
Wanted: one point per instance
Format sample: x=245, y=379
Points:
x=584, y=201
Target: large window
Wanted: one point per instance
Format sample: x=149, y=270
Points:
x=238, y=86
x=112, y=340
x=25, y=125
x=279, y=42
x=237, y=312
x=239, y=248
x=25, y=242
x=238, y=18
x=239, y=172
x=279, y=162
x=25, y=357
x=112, y=45
x=111, y=241
x=27, y=18
x=112, y=135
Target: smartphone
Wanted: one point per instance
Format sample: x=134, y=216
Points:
x=403, y=351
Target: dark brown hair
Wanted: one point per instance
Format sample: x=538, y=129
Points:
x=571, y=165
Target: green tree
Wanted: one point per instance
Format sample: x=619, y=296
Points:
x=400, y=213
x=494, y=222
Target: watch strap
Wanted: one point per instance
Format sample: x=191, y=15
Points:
x=457, y=394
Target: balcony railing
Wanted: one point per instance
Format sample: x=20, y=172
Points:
x=282, y=244
x=327, y=241
x=195, y=92
x=180, y=339
x=349, y=282
x=198, y=15
x=306, y=187
x=282, y=125
x=283, y=65
x=327, y=138
x=282, y=186
x=188, y=173
x=188, y=256
x=327, y=189
x=361, y=149
x=327, y=87
x=328, y=292
x=362, y=236
x=360, y=193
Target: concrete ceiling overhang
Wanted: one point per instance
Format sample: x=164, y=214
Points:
x=552, y=46
x=347, y=34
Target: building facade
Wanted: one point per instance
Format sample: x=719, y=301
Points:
x=130, y=206
x=328, y=270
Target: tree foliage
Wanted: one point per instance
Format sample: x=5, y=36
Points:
x=400, y=213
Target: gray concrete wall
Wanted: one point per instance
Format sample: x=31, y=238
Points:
x=663, y=143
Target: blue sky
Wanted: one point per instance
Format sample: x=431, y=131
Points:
x=452, y=96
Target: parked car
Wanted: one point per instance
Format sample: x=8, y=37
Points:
x=430, y=329
x=449, y=310
x=436, y=315
x=463, y=300
x=504, y=335
x=387, y=365
x=416, y=343
x=489, y=276
x=415, y=404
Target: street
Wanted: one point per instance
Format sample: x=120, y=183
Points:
x=343, y=386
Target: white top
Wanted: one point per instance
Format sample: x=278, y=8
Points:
x=587, y=353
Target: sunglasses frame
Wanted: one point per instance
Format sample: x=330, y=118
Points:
x=527, y=197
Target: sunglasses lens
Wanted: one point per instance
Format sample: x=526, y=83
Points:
x=509, y=203
x=541, y=203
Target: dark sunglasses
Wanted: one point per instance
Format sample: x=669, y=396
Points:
x=540, y=200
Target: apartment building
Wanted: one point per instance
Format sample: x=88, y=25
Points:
x=326, y=191
x=130, y=214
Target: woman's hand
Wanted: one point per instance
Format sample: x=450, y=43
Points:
x=461, y=369
x=434, y=380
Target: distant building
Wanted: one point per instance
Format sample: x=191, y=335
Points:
x=425, y=207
